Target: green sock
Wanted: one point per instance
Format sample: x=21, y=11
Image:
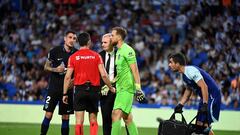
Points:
x=116, y=128
x=132, y=129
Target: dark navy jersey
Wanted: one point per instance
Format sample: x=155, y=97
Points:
x=58, y=56
x=193, y=74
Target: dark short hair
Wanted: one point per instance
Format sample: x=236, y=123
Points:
x=121, y=31
x=83, y=38
x=178, y=58
x=69, y=31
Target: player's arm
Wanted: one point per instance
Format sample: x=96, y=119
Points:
x=204, y=89
x=198, y=78
x=135, y=73
x=48, y=67
x=67, y=81
x=105, y=77
x=186, y=95
x=139, y=93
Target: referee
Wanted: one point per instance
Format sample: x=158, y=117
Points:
x=57, y=59
x=87, y=66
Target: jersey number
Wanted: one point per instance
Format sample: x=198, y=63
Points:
x=48, y=99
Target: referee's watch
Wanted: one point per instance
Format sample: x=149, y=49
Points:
x=65, y=94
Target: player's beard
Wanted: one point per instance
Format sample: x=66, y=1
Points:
x=174, y=70
x=113, y=43
x=70, y=45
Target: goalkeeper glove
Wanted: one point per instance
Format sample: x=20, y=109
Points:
x=104, y=90
x=139, y=93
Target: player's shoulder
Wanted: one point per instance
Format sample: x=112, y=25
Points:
x=189, y=69
x=74, y=50
x=94, y=52
x=192, y=71
x=74, y=53
x=56, y=49
x=128, y=49
x=102, y=52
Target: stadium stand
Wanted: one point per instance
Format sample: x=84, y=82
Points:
x=208, y=32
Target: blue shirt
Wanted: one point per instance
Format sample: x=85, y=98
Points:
x=193, y=74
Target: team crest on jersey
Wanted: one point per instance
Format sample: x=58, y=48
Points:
x=118, y=57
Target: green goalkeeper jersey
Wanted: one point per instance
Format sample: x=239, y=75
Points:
x=124, y=57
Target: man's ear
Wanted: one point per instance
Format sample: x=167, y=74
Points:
x=177, y=64
x=119, y=37
x=65, y=38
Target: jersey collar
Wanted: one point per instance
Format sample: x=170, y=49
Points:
x=122, y=46
x=71, y=51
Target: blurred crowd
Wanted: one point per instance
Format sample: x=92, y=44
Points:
x=206, y=31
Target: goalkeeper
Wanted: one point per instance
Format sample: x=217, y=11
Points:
x=127, y=83
x=107, y=98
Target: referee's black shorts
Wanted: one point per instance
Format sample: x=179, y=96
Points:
x=86, y=97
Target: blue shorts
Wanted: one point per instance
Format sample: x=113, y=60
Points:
x=214, y=105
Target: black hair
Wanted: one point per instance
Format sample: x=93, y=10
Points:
x=83, y=38
x=178, y=58
x=69, y=31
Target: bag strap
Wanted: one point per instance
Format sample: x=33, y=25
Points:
x=173, y=118
x=193, y=119
x=197, y=116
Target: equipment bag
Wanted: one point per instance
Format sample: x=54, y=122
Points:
x=173, y=126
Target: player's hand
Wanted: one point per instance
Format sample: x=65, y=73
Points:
x=178, y=108
x=114, y=80
x=139, y=95
x=113, y=90
x=204, y=108
x=65, y=99
x=104, y=90
x=60, y=69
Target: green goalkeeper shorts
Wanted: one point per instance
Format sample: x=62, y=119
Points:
x=124, y=101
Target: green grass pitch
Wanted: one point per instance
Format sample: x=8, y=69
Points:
x=34, y=129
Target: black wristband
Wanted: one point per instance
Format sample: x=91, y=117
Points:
x=65, y=94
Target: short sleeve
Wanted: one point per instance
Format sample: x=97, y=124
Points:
x=130, y=56
x=50, y=55
x=99, y=59
x=71, y=61
x=194, y=74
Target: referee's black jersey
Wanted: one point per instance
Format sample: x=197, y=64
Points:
x=57, y=56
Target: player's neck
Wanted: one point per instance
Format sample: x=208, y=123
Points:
x=84, y=47
x=119, y=44
x=67, y=48
x=182, y=69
